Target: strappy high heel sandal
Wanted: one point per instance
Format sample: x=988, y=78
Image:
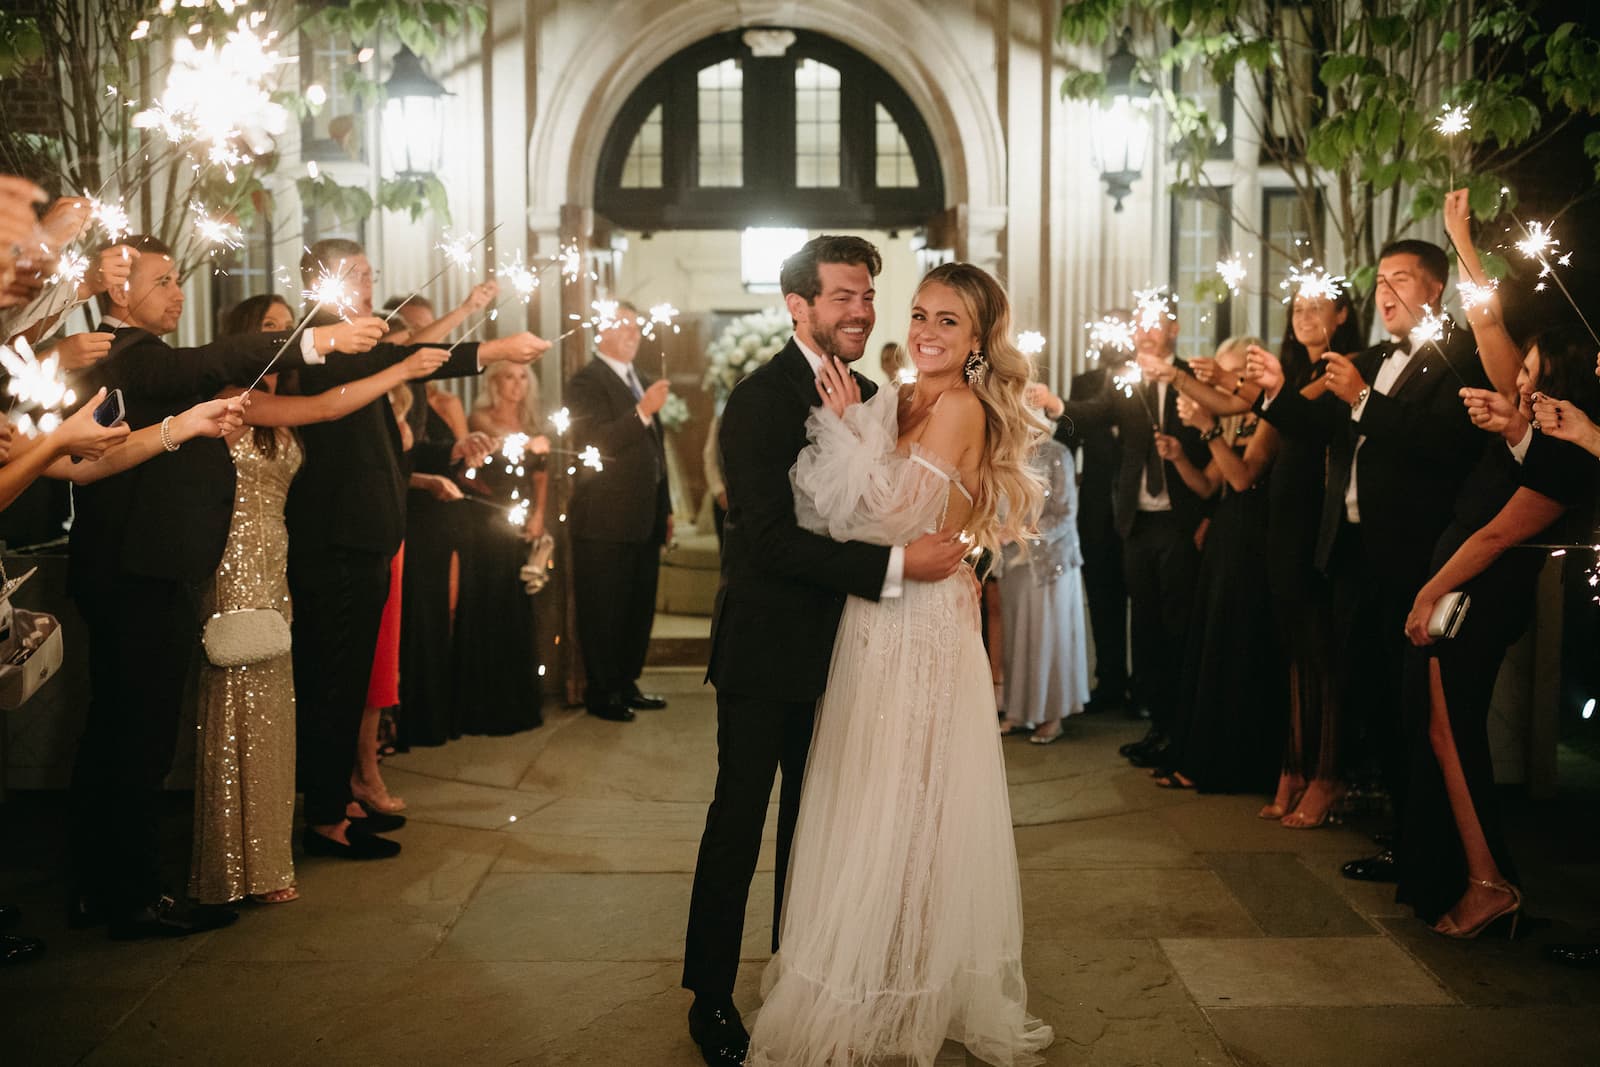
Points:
x=1513, y=909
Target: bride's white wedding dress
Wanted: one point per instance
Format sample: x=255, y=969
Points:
x=902, y=921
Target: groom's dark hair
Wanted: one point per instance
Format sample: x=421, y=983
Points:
x=799, y=272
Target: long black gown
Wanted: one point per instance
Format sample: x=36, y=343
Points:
x=1301, y=600
x=1432, y=865
x=433, y=535
x=497, y=688
x=1230, y=725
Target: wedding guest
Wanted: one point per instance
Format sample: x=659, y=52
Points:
x=244, y=773
x=893, y=359
x=620, y=516
x=346, y=516
x=1456, y=869
x=1157, y=515
x=1041, y=596
x=497, y=688
x=1400, y=446
x=716, y=486
x=1228, y=731
x=149, y=537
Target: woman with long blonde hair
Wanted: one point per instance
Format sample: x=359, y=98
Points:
x=902, y=918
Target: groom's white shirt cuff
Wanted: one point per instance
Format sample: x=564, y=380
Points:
x=893, y=578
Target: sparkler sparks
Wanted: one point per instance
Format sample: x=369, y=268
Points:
x=661, y=315
x=1313, y=283
x=218, y=94
x=1537, y=242
x=571, y=261
x=590, y=457
x=1429, y=329
x=1475, y=296
x=1233, y=272
x=1128, y=378
x=561, y=419
x=1030, y=342
x=112, y=218
x=1154, y=307
x=605, y=314
x=71, y=267
x=522, y=280
x=1109, y=332
x=514, y=448
x=35, y=382
x=906, y=375
x=217, y=233
x=518, y=515
x=1453, y=120
x=458, y=250
x=328, y=291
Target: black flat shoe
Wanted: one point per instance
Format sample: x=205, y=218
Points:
x=19, y=949
x=720, y=1033
x=1150, y=757
x=612, y=712
x=361, y=846
x=166, y=917
x=1379, y=867
x=1584, y=956
x=647, y=702
x=376, y=822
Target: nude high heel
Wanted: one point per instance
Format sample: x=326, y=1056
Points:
x=1513, y=909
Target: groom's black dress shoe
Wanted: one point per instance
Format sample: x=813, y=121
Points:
x=645, y=701
x=377, y=822
x=166, y=917
x=612, y=712
x=361, y=846
x=716, y=1027
x=1380, y=867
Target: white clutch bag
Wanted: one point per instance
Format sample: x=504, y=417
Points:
x=249, y=635
x=1448, y=613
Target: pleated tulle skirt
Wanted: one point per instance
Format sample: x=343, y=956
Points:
x=902, y=921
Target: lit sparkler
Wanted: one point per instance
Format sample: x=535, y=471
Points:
x=35, y=382
x=215, y=232
x=906, y=375
x=1430, y=329
x=1233, y=272
x=605, y=314
x=328, y=291
x=513, y=449
x=1537, y=242
x=1030, y=342
x=71, y=268
x=1453, y=120
x=518, y=515
x=458, y=250
x=590, y=457
x=523, y=282
x=561, y=419
x=1474, y=295
x=1109, y=332
x=1313, y=283
x=1154, y=307
x=661, y=315
x=1129, y=378
x=112, y=218
x=217, y=94
x=571, y=261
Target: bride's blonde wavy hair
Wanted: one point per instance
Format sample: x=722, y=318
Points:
x=1010, y=491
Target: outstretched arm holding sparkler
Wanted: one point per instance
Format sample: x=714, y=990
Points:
x=275, y=409
x=482, y=295
x=210, y=418
x=1480, y=306
x=79, y=435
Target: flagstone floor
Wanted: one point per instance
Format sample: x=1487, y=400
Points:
x=536, y=917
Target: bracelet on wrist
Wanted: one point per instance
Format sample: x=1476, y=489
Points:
x=1207, y=436
x=167, y=443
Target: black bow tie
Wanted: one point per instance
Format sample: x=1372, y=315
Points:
x=1402, y=345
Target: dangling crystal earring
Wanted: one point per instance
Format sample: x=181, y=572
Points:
x=973, y=368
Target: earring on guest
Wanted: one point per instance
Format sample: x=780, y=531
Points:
x=974, y=367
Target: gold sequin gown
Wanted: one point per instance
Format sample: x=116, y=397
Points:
x=244, y=770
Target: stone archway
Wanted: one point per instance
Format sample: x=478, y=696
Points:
x=564, y=148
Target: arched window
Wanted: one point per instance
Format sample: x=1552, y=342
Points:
x=807, y=132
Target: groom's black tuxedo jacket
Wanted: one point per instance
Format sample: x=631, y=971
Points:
x=783, y=588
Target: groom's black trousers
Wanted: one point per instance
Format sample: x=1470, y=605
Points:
x=755, y=737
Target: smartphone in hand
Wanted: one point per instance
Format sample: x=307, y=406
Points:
x=111, y=410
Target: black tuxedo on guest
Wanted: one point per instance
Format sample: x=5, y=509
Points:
x=778, y=608
x=143, y=543
x=1103, y=583
x=1159, y=557
x=1417, y=447
x=346, y=516
x=618, y=519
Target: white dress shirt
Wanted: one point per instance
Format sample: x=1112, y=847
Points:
x=894, y=577
x=1161, y=501
x=1388, y=373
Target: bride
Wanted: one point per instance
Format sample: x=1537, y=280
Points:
x=902, y=920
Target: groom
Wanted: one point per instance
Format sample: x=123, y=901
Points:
x=783, y=590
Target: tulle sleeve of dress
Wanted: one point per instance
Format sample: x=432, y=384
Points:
x=851, y=485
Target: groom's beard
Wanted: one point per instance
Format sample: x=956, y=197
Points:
x=832, y=342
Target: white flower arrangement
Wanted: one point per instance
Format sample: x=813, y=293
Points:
x=674, y=413
x=745, y=344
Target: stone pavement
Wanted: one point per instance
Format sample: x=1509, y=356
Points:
x=536, y=917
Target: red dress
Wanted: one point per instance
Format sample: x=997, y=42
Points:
x=383, y=690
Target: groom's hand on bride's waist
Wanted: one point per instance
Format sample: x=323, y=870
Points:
x=934, y=557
